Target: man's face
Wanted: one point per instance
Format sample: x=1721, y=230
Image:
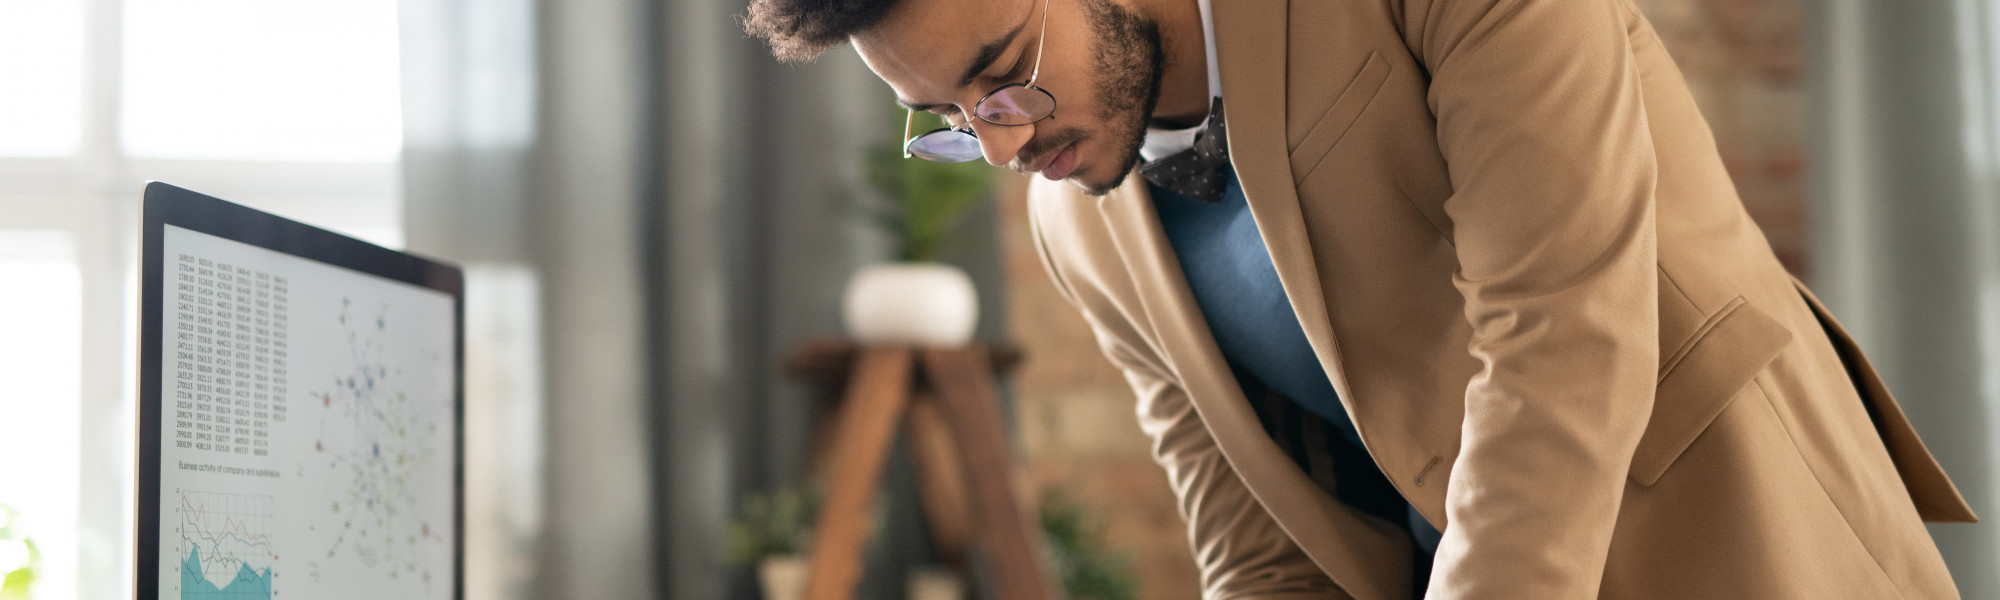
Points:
x=1102, y=64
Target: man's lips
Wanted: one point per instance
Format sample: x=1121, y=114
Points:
x=1060, y=167
x=1057, y=165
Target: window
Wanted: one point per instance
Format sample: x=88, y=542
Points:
x=290, y=106
x=260, y=80
x=41, y=58
x=41, y=321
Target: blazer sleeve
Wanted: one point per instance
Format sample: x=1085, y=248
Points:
x=1540, y=121
x=1239, y=549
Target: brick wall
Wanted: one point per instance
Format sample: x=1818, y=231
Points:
x=1741, y=59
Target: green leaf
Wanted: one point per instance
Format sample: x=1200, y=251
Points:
x=770, y=524
x=932, y=199
x=7, y=524
x=1076, y=539
x=17, y=583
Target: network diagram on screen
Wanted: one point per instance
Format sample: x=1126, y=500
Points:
x=306, y=431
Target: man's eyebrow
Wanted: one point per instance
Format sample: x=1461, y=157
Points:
x=988, y=53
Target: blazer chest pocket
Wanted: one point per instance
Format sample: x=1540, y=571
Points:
x=1319, y=140
x=1700, y=378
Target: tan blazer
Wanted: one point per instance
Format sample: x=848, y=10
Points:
x=1505, y=229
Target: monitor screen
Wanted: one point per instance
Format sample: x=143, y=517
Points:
x=307, y=433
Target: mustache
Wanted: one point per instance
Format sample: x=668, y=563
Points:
x=1042, y=145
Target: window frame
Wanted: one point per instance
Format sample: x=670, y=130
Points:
x=94, y=195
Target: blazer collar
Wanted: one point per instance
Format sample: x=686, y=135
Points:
x=1251, y=48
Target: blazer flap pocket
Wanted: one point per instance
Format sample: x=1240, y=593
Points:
x=1700, y=378
x=1339, y=117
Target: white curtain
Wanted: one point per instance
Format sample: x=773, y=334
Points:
x=656, y=212
x=1906, y=229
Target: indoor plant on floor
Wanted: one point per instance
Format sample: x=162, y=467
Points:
x=772, y=532
x=918, y=299
x=1088, y=567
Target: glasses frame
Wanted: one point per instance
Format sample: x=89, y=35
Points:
x=966, y=129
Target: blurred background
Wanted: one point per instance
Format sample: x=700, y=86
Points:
x=654, y=215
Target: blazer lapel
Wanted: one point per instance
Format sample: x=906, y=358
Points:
x=1366, y=557
x=1250, y=44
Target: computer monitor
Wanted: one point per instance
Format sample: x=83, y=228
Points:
x=301, y=400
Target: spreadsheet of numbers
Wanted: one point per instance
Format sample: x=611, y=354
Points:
x=228, y=355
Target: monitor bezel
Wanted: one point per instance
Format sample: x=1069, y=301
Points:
x=165, y=204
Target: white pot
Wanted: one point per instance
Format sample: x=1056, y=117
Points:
x=935, y=584
x=923, y=304
x=783, y=577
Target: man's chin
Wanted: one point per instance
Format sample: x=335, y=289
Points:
x=1094, y=188
x=1084, y=182
x=1100, y=185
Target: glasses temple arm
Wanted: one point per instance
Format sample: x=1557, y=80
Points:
x=1039, y=43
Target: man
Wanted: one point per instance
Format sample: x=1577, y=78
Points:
x=1444, y=297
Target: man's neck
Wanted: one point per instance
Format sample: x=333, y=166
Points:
x=1184, y=89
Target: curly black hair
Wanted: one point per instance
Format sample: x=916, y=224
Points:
x=799, y=30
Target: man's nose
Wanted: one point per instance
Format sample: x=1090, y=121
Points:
x=1002, y=143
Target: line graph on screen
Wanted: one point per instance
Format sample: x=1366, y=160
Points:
x=225, y=550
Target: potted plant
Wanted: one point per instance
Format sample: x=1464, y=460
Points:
x=1088, y=570
x=773, y=532
x=935, y=583
x=918, y=299
x=19, y=559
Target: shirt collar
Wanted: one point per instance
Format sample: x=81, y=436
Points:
x=1161, y=143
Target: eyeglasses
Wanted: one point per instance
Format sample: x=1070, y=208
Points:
x=1012, y=105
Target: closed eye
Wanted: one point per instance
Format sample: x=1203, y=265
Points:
x=950, y=114
x=1018, y=72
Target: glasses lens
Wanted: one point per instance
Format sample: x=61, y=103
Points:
x=945, y=145
x=1016, y=104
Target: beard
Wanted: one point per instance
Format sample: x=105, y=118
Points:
x=1128, y=58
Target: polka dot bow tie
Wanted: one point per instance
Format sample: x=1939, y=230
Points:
x=1197, y=171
